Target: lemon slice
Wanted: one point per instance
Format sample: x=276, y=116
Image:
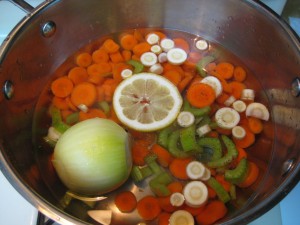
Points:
x=147, y=102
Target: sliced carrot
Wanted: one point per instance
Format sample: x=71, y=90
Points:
x=126, y=55
x=70, y=104
x=128, y=41
x=223, y=131
x=96, y=79
x=100, y=93
x=175, y=186
x=164, y=157
x=213, y=211
x=239, y=74
x=194, y=210
x=83, y=59
x=165, y=204
x=242, y=154
x=116, y=57
x=210, y=67
x=125, y=201
x=110, y=46
x=255, y=125
x=168, y=66
x=62, y=87
x=225, y=70
x=184, y=83
x=221, y=179
x=138, y=36
x=189, y=66
x=213, y=134
x=226, y=87
x=200, y=95
x=211, y=192
x=221, y=99
x=65, y=113
x=84, y=93
x=163, y=218
x=182, y=43
x=78, y=75
x=252, y=175
x=178, y=168
x=237, y=89
x=109, y=87
x=247, y=141
x=139, y=151
x=103, y=68
x=173, y=76
x=141, y=48
x=100, y=55
x=148, y=207
x=91, y=113
x=60, y=103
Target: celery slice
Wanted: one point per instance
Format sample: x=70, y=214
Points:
x=188, y=138
x=218, y=188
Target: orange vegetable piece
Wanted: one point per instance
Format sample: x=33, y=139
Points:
x=214, y=211
x=173, y=76
x=237, y=89
x=194, y=210
x=100, y=55
x=62, y=87
x=194, y=57
x=83, y=59
x=164, y=157
x=84, y=93
x=241, y=155
x=239, y=74
x=221, y=179
x=178, y=168
x=141, y=48
x=182, y=43
x=140, y=150
x=110, y=46
x=103, y=68
x=163, y=218
x=200, y=95
x=175, y=186
x=165, y=204
x=184, y=83
x=255, y=125
x=138, y=36
x=78, y=75
x=96, y=79
x=91, y=113
x=148, y=208
x=126, y=201
x=128, y=41
x=116, y=57
x=225, y=70
x=126, y=55
x=60, y=103
x=70, y=104
x=252, y=175
x=117, y=70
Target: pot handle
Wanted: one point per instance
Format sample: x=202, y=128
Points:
x=23, y=5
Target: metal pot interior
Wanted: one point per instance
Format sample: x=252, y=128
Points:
x=30, y=59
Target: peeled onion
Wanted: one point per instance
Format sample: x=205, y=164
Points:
x=93, y=157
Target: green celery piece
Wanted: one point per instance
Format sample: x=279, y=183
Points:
x=214, y=144
x=138, y=66
x=103, y=105
x=188, y=138
x=57, y=122
x=197, y=112
x=152, y=163
x=72, y=118
x=159, y=184
x=163, y=135
x=173, y=146
x=204, y=121
x=232, y=192
x=200, y=66
x=136, y=174
x=219, y=189
x=226, y=159
x=238, y=174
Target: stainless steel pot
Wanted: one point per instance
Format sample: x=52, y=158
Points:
x=53, y=31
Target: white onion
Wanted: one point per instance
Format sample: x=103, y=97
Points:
x=93, y=157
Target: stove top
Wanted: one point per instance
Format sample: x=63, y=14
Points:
x=15, y=210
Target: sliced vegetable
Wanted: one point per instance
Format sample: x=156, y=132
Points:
x=195, y=170
x=57, y=122
x=202, y=44
x=238, y=174
x=238, y=132
x=188, y=138
x=214, y=211
x=198, y=112
x=162, y=57
x=214, y=83
x=219, y=189
x=195, y=193
x=140, y=173
x=181, y=217
x=148, y=59
x=258, y=110
x=239, y=106
x=185, y=119
x=167, y=44
x=156, y=68
x=225, y=70
x=152, y=38
x=156, y=49
x=159, y=184
x=148, y=208
x=173, y=146
x=62, y=87
x=200, y=95
x=203, y=130
x=248, y=94
x=125, y=201
x=138, y=66
x=177, y=199
x=163, y=135
x=200, y=66
x=176, y=56
x=227, y=118
x=214, y=144
x=229, y=101
x=177, y=168
x=126, y=73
